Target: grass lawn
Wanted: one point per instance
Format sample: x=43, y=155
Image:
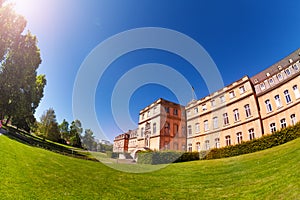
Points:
x=32, y=173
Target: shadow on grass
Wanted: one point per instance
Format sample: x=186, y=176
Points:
x=34, y=141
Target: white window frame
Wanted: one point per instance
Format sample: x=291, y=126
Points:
x=207, y=146
x=225, y=119
x=236, y=115
x=197, y=127
x=296, y=91
x=283, y=123
x=206, y=127
x=247, y=110
x=278, y=101
x=239, y=137
x=215, y=123
x=273, y=127
x=251, y=134
x=287, y=96
x=217, y=142
x=293, y=119
x=268, y=105
x=228, y=140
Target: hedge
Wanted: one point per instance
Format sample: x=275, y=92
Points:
x=267, y=141
x=164, y=157
x=262, y=143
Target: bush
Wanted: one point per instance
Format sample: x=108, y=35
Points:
x=265, y=142
x=111, y=154
x=165, y=157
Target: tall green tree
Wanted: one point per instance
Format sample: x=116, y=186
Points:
x=48, y=126
x=64, y=130
x=75, y=133
x=88, y=140
x=21, y=88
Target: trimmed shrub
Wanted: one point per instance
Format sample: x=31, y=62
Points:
x=111, y=154
x=265, y=142
x=165, y=157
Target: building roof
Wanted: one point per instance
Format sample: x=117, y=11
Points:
x=276, y=68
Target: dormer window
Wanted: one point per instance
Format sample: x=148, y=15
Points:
x=288, y=72
x=279, y=76
x=290, y=60
x=262, y=86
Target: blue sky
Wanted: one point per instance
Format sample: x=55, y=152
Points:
x=242, y=37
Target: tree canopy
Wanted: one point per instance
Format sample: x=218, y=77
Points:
x=21, y=88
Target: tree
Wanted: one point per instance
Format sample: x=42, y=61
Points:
x=48, y=127
x=88, y=140
x=75, y=133
x=21, y=88
x=64, y=130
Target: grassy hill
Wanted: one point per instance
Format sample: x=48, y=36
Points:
x=28, y=172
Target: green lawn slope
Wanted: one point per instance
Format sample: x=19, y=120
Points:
x=28, y=172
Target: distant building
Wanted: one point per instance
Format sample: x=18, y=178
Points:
x=121, y=143
x=277, y=91
x=226, y=117
x=162, y=126
x=242, y=111
x=106, y=142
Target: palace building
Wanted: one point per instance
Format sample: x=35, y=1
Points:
x=244, y=110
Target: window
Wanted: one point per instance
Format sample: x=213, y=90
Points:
x=293, y=119
x=175, y=129
x=228, y=140
x=155, y=110
x=287, y=96
x=190, y=148
x=251, y=134
x=206, y=125
x=207, y=147
x=167, y=109
x=215, y=122
x=295, y=67
x=279, y=76
x=175, y=111
x=189, y=113
x=190, y=130
x=198, y=146
x=278, y=101
x=213, y=103
x=143, y=116
x=175, y=146
x=217, y=142
x=231, y=94
x=268, y=105
x=239, y=137
x=142, y=132
x=222, y=99
x=283, y=123
x=183, y=147
x=271, y=81
x=288, y=72
x=225, y=119
x=197, y=127
x=154, y=128
x=204, y=107
x=196, y=110
x=262, y=86
x=167, y=128
x=247, y=110
x=242, y=89
x=236, y=115
x=167, y=145
x=296, y=91
x=272, y=127
x=148, y=113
